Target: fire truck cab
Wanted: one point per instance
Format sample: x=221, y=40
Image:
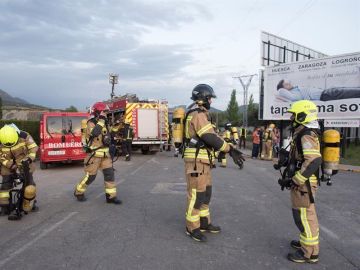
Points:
x=60, y=137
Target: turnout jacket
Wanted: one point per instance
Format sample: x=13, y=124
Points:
x=25, y=148
x=98, y=137
x=201, y=137
x=306, y=151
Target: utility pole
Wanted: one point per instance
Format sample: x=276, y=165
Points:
x=113, y=79
x=246, y=90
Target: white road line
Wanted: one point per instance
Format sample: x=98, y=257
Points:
x=329, y=232
x=142, y=166
x=37, y=238
x=118, y=183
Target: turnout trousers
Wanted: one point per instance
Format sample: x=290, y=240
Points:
x=199, y=188
x=307, y=222
x=8, y=184
x=92, y=165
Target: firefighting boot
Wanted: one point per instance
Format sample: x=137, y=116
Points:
x=295, y=244
x=127, y=158
x=80, y=197
x=14, y=216
x=113, y=200
x=196, y=235
x=35, y=208
x=205, y=227
x=299, y=257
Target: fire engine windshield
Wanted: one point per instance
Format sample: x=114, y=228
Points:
x=74, y=125
x=58, y=125
x=54, y=125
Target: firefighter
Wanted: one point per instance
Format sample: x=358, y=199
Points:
x=127, y=135
x=306, y=159
x=98, y=140
x=242, y=142
x=17, y=147
x=267, y=142
x=200, y=141
x=226, y=135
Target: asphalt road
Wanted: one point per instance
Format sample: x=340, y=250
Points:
x=147, y=231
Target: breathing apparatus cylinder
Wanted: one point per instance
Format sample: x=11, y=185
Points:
x=83, y=131
x=331, y=152
x=235, y=134
x=29, y=197
x=178, y=126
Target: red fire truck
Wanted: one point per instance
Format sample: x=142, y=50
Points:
x=148, y=118
x=60, y=137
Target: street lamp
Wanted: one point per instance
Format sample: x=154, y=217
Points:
x=113, y=79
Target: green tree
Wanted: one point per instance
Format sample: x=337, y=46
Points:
x=233, y=109
x=71, y=109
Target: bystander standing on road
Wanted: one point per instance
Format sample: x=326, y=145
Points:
x=256, y=143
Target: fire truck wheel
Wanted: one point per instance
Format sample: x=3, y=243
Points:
x=145, y=151
x=43, y=165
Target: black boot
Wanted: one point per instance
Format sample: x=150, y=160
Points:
x=80, y=197
x=299, y=257
x=196, y=235
x=113, y=200
x=206, y=227
x=35, y=208
x=295, y=244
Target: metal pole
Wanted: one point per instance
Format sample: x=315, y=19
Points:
x=246, y=88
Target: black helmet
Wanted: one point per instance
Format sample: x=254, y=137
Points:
x=228, y=126
x=201, y=94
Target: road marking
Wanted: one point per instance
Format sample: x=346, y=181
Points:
x=169, y=188
x=329, y=232
x=118, y=183
x=37, y=238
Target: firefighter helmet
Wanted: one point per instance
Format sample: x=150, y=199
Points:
x=305, y=111
x=99, y=107
x=228, y=126
x=8, y=136
x=272, y=126
x=201, y=95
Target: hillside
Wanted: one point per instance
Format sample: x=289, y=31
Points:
x=9, y=101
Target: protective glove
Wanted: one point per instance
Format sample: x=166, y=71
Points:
x=237, y=156
x=285, y=183
x=26, y=162
x=86, y=149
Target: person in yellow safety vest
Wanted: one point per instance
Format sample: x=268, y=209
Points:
x=242, y=142
x=226, y=135
x=17, y=147
x=127, y=135
x=267, y=141
x=200, y=140
x=98, y=141
x=306, y=157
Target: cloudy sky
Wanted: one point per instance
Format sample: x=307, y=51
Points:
x=59, y=53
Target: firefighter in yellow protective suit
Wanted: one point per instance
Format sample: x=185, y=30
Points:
x=16, y=148
x=304, y=162
x=267, y=142
x=200, y=141
x=98, y=140
x=226, y=135
x=127, y=135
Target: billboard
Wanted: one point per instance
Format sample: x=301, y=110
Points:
x=277, y=50
x=332, y=83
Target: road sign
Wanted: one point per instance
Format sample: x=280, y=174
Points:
x=342, y=123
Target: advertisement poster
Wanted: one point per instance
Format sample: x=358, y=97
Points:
x=332, y=83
